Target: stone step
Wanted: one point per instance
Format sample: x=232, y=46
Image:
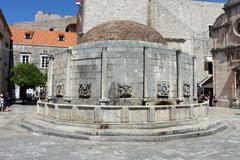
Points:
x=139, y=125
x=144, y=135
x=159, y=138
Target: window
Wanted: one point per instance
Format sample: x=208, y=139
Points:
x=6, y=45
x=208, y=66
x=61, y=37
x=51, y=29
x=1, y=37
x=44, y=61
x=25, y=58
x=236, y=28
x=28, y=35
x=45, y=51
x=235, y=55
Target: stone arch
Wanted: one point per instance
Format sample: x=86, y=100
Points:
x=71, y=28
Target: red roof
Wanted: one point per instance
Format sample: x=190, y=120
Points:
x=43, y=38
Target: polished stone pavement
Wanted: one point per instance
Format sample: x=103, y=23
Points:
x=19, y=144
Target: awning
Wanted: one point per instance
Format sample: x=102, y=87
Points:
x=206, y=82
x=237, y=67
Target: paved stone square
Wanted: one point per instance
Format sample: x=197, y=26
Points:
x=18, y=144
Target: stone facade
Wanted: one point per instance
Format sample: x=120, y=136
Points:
x=37, y=47
x=53, y=22
x=226, y=55
x=42, y=16
x=183, y=23
x=35, y=55
x=5, y=53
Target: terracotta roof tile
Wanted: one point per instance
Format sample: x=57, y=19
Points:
x=44, y=38
x=122, y=30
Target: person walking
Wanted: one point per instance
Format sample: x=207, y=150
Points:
x=210, y=98
x=1, y=103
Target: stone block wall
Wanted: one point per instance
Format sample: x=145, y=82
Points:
x=59, y=25
x=41, y=16
x=162, y=69
x=96, y=12
x=116, y=116
x=35, y=53
x=122, y=72
x=5, y=46
x=175, y=19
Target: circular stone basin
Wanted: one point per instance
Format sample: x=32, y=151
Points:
x=121, y=114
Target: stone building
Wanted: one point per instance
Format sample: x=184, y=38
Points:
x=50, y=22
x=226, y=54
x=123, y=63
x=5, y=53
x=36, y=46
x=183, y=23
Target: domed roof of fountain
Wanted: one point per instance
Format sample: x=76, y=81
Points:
x=122, y=30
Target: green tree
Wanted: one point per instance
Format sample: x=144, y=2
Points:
x=27, y=76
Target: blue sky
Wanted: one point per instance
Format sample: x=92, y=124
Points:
x=24, y=10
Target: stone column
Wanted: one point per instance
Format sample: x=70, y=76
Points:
x=125, y=114
x=103, y=100
x=50, y=79
x=151, y=114
x=68, y=84
x=235, y=101
x=235, y=83
x=145, y=75
x=179, y=76
x=194, y=79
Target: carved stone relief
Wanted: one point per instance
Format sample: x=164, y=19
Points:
x=60, y=90
x=163, y=89
x=125, y=91
x=186, y=89
x=85, y=90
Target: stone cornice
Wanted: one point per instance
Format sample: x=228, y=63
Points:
x=178, y=40
x=218, y=27
x=214, y=50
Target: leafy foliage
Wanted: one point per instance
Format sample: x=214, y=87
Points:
x=27, y=76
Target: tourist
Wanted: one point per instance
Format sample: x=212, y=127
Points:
x=210, y=98
x=202, y=98
x=7, y=101
x=1, y=102
x=215, y=99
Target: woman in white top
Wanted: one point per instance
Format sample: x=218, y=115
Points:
x=1, y=102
